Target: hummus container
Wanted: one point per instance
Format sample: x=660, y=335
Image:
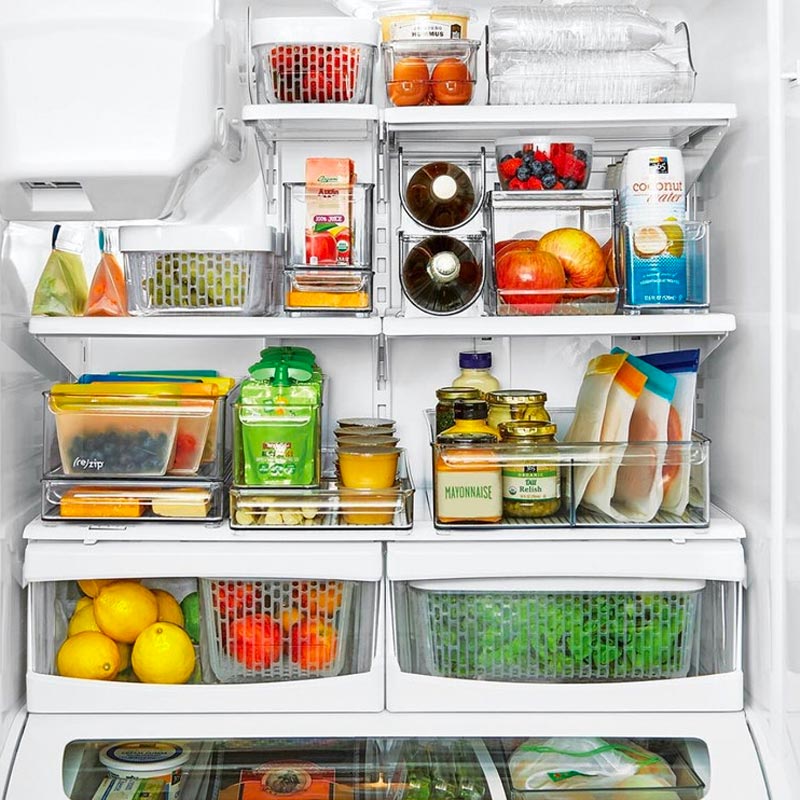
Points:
x=424, y=21
x=148, y=761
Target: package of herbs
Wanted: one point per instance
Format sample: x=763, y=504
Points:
x=552, y=636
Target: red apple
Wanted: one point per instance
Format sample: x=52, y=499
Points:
x=580, y=255
x=507, y=244
x=611, y=263
x=526, y=268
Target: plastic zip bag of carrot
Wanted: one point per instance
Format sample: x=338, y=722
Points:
x=108, y=295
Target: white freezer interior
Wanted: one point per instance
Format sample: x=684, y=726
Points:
x=747, y=392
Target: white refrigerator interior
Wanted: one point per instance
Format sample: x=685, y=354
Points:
x=193, y=142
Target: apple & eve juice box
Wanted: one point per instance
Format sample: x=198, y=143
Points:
x=329, y=210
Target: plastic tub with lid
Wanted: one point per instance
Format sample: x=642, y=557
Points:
x=423, y=19
x=314, y=59
x=162, y=761
x=200, y=269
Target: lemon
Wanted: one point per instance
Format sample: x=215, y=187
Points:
x=163, y=653
x=82, y=603
x=83, y=620
x=93, y=586
x=124, y=656
x=168, y=608
x=89, y=655
x=124, y=609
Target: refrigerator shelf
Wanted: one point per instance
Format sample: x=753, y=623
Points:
x=277, y=122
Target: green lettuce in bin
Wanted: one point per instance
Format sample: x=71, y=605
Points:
x=562, y=636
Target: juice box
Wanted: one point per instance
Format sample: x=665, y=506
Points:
x=329, y=210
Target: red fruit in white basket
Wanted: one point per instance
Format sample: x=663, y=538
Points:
x=527, y=268
x=579, y=254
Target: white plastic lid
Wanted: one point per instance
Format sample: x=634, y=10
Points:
x=70, y=239
x=133, y=757
x=196, y=239
x=314, y=30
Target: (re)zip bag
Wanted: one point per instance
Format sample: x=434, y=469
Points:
x=62, y=289
x=683, y=364
x=628, y=385
x=108, y=295
x=590, y=409
x=640, y=488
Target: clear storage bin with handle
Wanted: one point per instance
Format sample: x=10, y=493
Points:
x=314, y=59
x=188, y=269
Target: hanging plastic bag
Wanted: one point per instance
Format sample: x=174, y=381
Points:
x=108, y=295
x=62, y=289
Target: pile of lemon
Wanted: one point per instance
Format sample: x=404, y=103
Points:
x=120, y=624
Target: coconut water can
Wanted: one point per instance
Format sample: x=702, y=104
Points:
x=652, y=189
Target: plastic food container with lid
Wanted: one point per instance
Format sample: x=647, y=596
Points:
x=161, y=761
x=314, y=59
x=421, y=19
x=193, y=269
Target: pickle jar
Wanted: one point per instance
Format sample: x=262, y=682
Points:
x=531, y=488
x=516, y=404
x=468, y=481
x=446, y=397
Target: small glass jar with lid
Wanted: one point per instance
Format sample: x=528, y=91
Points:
x=516, y=404
x=531, y=482
x=446, y=397
x=469, y=416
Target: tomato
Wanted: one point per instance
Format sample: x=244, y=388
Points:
x=529, y=269
x=313, y=644
x=322, y=598
x=451, y=83
x=255, y=641
x=410, y=82
x=235, y=598
x=320, y=248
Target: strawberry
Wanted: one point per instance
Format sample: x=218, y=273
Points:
x=508, y=168
x=540, y=155
x=533, y=183
x=515, y=184
x=559, y=187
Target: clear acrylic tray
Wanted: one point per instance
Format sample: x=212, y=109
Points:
x=327, y=290
x=476, y=473
x=330, y=507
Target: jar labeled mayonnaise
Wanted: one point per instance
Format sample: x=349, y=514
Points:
x=161, y=761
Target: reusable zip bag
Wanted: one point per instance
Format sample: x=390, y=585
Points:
x=590, y=409
x=628, y=385
x=108, y=295
x=683, y=364
x=640, y=488
x=62, y=289
x=574, y=763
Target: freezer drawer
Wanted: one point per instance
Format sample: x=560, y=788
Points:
x=268, y=627
x=564, y=626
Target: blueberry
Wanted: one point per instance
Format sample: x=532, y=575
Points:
x=523, y=173
x=549, y=181
x=581, y=156
x=537, y=169
x=528, y=159
x=548, y=167
x=506, y=157
x=518, y=154
x=570, y=183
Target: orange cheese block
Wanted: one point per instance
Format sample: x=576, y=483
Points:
x=99, y=503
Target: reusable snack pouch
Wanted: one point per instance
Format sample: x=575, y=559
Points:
x=62, y=289
x=639, y=489
x=683, y=364
x=628, y=385
x=590, y=410
x=108, y=295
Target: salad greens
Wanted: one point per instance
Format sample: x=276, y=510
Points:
x=550, y=636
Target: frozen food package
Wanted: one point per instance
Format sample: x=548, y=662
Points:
x=640, y=489
x=108, y=295
x=590, y=409
x=683, y=364
x=628, y=385
x=519, y=77
x=567, y=763
x=62, y=289
x=575, y=27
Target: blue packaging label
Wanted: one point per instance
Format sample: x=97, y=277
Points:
x=656, y=264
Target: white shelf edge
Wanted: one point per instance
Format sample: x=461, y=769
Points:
x=611, y=325
x=209, y=327
x=280, y=112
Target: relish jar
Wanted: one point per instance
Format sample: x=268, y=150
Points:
x=511, y=404
x=445, y=414
x=530, y=488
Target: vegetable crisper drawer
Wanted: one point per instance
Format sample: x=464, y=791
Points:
x=549, y=629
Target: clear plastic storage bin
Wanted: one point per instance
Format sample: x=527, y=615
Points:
x=314, y=59
x=115, y=501
x=327, y=290
x=666, y=267
x=423, y=72
x=679, y=498
x=331, y=507
x=172, y=269
x=523, y=283
x=281, y=630
x=549, y=629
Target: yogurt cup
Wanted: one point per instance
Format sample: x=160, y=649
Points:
x=148, y=761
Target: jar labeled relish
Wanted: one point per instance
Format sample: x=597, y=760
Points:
x=516, y=404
